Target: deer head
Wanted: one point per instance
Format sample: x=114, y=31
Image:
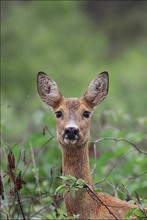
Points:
x=73, y=114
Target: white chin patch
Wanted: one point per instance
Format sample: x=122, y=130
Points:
x=71, y=142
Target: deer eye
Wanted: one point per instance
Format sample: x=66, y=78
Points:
x=86, y=114
x=58, y=114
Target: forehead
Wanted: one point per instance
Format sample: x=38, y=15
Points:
x=73, y=103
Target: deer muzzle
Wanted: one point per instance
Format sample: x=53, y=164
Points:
x=71, y=134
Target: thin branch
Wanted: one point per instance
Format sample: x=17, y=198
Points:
x=98, y=198
x=117, y=162
x=37, y=178
x=37, y=153
x=136, y=176
x=138, y=203
x=19, y=202
x=113, y=139
x=95, y=159
x=19, y=156
x=16, y=144
x=121, y=139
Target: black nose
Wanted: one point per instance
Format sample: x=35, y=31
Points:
x=71, y=133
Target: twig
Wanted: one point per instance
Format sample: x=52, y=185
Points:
x=111, y=169
x=18, y=158
x=52, y=178
x=16, y=144
x=35, y=169
x=121, y=139
x=97, y=197
x=138, y=203
x=117, y=162
x=37, y=178
x=37, y=153
x=136, y=176
x=24, y=156
x=95, y=159
x=117, y=140
x=113, y=139
x=19, y=202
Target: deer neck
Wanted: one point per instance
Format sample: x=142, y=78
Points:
x=75, y=162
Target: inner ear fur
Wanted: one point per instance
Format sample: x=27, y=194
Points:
x=97, y=89
x=48, y=90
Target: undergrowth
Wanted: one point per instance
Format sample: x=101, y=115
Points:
x=31, y=170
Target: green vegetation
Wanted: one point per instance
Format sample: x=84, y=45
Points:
x=72, y=44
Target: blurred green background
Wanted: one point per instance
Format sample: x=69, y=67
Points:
x=72, y=41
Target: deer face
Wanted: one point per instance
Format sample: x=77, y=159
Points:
x=73, y=121
x=73, y=114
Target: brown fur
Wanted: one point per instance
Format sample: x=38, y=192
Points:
x=75, y=155
x=76, y=163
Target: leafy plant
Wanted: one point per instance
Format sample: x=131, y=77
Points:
x=140, y=214
x=72, y=184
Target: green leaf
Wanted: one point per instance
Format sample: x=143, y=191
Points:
x=142, y=191
x=68, y=178
x=79, y=186
x=141, y=214
x=129, y=213
x=65, y=178
x=97, y=190
x=80, y=182
x=61, y=188
x=73, y=192
x=76, y=216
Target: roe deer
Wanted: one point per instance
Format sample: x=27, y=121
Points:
x=73, y=131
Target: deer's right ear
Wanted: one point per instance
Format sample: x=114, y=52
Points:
x=48, y=90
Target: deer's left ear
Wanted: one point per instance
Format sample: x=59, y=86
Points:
x=97, y=89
